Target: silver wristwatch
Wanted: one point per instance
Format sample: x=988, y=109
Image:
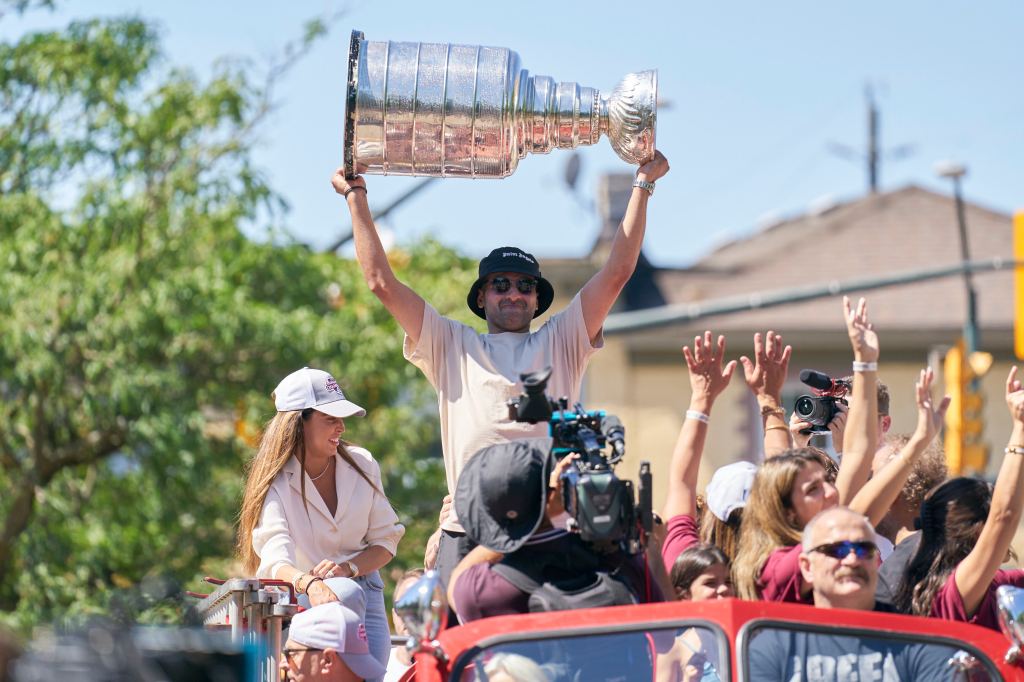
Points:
x=643, y=184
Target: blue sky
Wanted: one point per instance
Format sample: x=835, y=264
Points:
x=758, y=92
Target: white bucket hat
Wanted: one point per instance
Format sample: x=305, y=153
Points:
x=314, y=388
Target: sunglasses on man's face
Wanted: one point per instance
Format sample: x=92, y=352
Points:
x=863, y=549
x=503, y=284
x=287, y=660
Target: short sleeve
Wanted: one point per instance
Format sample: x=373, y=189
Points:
x=682, y=534
x=480, y=592
x=781, y=579
x=437, y=334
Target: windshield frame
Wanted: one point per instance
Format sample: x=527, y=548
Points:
x=749, y=629
x=467, y=656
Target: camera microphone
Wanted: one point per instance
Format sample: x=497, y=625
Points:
x=815, y=379
x=615, y=434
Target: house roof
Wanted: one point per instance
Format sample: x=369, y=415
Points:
x=880, y=234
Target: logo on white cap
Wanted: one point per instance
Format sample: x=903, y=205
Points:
x=314, y=388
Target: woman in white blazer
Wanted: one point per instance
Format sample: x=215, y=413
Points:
x=314, y=507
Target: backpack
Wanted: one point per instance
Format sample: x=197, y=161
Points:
x=562, y=575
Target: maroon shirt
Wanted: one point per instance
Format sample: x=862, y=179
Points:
x=780, y=578
x=682, y=535
x=949, y=603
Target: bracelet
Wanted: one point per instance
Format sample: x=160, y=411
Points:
x=1014, y=450
x=311, y=581
x=776, y=426
x=353, y=189
x=353, y=569
x=699, y=416
x=768, y=410
x=297, y=581
x=865, y=366
x=644, y=185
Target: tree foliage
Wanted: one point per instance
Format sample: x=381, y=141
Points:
x=141, y=330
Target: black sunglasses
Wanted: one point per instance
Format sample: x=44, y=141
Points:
x=288, y=653
x=863, y=549
x=503, y=284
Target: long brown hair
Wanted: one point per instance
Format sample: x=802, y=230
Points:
x=768, y=523
x=722, y=534
x=952, y=518
x=282, y=439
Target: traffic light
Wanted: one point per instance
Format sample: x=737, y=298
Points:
x=966, y=451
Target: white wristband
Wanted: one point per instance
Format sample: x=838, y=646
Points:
x=699, y=416
x=865, y=366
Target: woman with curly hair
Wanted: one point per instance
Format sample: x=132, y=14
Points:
x=966, y=530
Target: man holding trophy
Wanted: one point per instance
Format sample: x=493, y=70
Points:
x=476, y=374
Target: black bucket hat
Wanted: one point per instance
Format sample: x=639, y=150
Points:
x=502, y=493
x=511, y=259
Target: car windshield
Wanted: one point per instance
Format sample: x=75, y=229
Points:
x=694, y=652
x=794, y=653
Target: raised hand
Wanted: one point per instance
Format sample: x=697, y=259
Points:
x=863, y=338
x=342, y=184
x=929, y=414
x=767, y=373
x=707, y=377
x=1015, y=398
x=654, y=169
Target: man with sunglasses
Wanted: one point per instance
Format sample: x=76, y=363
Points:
x=476, y=374
x=840, y=561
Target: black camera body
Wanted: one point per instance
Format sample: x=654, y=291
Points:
x=819, y=409
x=602, y=507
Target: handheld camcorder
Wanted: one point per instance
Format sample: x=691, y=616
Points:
x=819, y=409
x=601, y=505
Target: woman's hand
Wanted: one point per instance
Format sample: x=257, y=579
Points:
x=707, y=378
x=767, y=373
x=862, y=334
x=929, y=414
x=329, y=569
x=319, y=593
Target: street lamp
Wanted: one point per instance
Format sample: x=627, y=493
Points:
x=955, y=171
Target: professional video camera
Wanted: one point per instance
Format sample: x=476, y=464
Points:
x=601, y=504
x=819, y=409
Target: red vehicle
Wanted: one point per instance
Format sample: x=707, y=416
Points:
x=715, y=640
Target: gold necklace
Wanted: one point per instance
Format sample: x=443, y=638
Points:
x=321, y=474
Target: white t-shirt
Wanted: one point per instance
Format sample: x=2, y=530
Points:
x=476, y=374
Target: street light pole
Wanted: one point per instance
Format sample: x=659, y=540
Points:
x=955, y=171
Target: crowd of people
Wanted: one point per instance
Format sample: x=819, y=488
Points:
x=870, y=524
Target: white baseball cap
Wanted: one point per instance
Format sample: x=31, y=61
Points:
x=729, y=488
x=333, y=626
x=317, y=389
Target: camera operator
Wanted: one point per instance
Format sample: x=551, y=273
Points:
x=509, y=499
x=474, y=374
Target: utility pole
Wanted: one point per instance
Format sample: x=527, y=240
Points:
x=873, y=154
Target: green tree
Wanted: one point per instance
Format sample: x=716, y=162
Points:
x=139, y=326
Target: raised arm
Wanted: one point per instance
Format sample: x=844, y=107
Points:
x=878, y=494
x=404, y=304
x=599, y=294
x=707, y=380
x=861, y=435
x=765, y=377
x=975, y=573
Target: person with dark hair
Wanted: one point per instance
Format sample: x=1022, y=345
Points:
x=475, y=374
x=966, y=530
x=313, y=507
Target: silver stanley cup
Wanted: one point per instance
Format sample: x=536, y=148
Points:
x=472, y=112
